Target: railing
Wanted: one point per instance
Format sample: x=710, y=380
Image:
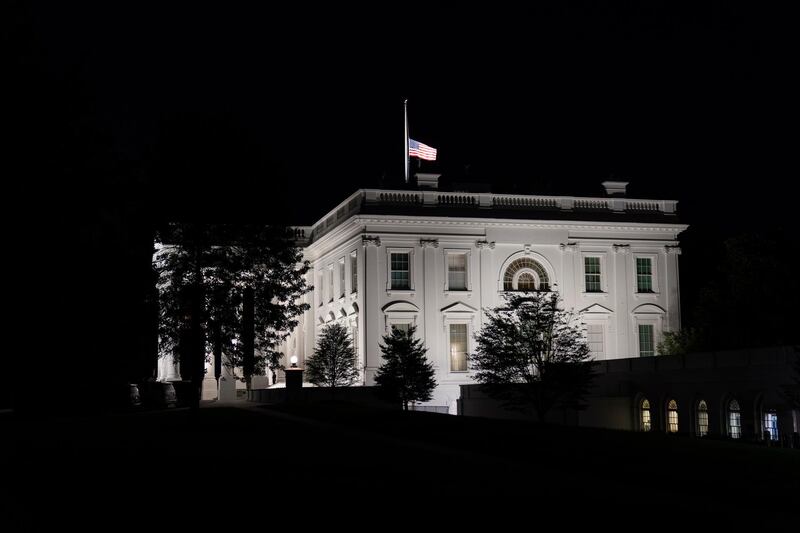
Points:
x=477, y=201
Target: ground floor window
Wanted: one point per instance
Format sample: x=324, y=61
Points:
x=644, y=416
x=771, y=425
x=702, y=419
x=672, y=416
x=458, y=347
x=734, y=420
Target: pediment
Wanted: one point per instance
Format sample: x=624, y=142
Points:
x=596, y=308
x=459, y=307
x=649, y=309
x=400, y=306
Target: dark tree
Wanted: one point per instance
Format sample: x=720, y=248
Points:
x=791, y=391
x=333, y=363
x=231, y=290
x=532, y=354
x=406, y=375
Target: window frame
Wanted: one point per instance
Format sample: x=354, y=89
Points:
x=601, y=257
x=331, y=280
x=645, y=426
x=730, y=417
x=410, y=253
x=342, y=278
x=702, y=418
x=654, y=289
x=450, y=325
x=673, y=426
x=646, y=323
x=467, y=270
x=354, y=272
x=602, y=324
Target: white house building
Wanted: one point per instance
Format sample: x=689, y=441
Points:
x=433, y=259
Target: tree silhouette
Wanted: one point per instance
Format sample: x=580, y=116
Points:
x=531, y=353
x=333, y=363
x=227, y=289
x=406, y=375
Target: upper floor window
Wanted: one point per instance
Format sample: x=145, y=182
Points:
x=672, y=416
x=353, y=273
x=734, y=420
x=341, y=278
x=644, y=274
x=330, y=283
x=456, y=271
x=525, y=274
x=458, y=347
x=400, y=270
x=592, y=271
x=320, y=289
x=702, y=419
x=644, y=415
x=646, y=340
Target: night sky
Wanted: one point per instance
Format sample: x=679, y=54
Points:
x=127, y=114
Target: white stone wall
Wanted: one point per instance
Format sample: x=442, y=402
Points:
x=490, y=245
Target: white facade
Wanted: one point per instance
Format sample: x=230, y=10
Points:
x=613, y=259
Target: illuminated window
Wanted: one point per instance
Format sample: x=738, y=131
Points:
x=525, y=274
x=353, y=273
x=672, y=416
x=644, y=274
x=592, y=271
x=771, y=424
x=734, y=420
x=644, y=416
x=458, y=347
x=456, y=272
x=400, y=271
x=702, y=419
x=646, y=340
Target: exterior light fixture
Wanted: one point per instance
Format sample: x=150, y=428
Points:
x=293, y=360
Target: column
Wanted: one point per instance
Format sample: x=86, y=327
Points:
x=622, y=288
x=487, y=286
x=431, y=288
x=373, y=319
x=672, y=288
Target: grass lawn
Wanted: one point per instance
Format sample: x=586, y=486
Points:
x=330, y=464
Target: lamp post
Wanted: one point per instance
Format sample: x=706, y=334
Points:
x=294, y=381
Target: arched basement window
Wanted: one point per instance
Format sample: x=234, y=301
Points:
x=702, y=419
x=644, y=415
x=525, y=274
x=734, y=420
x=672, y=416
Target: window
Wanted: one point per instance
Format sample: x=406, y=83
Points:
x=644, y=274
x=321, y=289
x=702, y=419
x=400, y=271
x=404, y=327
x=771, y=425
x=592, y=270
x=330, y=283
x=594, y=335
x=734, y=420
x=672, y=416
x=341, y=278
x=458, y=347
x=644, y=415
x=353, y=273
x=525, y=274
x=646, y=340
x=456, y=272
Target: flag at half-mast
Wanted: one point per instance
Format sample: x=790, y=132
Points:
x=423, y=151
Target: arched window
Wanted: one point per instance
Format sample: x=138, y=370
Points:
x=672, y=416
x=525, y=274
x=734, y=420
x=644, y=415
x=702, y=419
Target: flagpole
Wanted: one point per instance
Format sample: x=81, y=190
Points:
x=405, y=158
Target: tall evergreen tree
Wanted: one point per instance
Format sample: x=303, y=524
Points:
x=531, y=353
x=206, y=276
x=406, y=375
x=333, y=363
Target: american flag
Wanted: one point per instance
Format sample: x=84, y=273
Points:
x=423, y=151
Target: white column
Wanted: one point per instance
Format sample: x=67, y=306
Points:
x=487, y=278
x=373, y=317
x=622, y=287
x=431, y=287
x=672, y=288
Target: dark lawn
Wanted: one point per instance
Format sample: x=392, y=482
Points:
x=243, y=466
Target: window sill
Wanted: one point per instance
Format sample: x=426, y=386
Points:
x=604, y=294
x=400, y=292
x=646, y=294
x=466, y=292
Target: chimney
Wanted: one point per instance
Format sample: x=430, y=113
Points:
x=427, y=181
x=615, y=188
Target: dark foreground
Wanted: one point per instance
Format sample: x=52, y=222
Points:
x=239, y=466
